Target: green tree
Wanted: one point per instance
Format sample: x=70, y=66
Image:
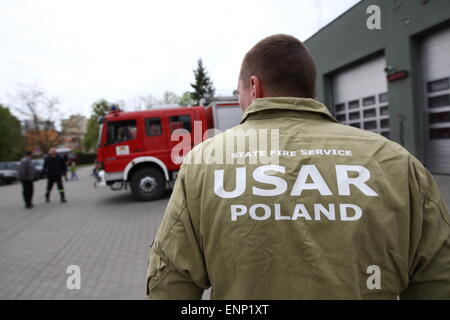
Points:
x=99, y=108
x=11, y=139
x=186, y=100
x=203, y=86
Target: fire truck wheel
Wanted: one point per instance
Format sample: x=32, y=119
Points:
x=147, y=184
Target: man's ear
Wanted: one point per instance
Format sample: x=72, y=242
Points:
x=256, y=87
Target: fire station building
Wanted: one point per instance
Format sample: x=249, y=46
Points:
x=394, y=80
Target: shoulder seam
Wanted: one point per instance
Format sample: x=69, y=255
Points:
x=166, y=235
x=441, y=211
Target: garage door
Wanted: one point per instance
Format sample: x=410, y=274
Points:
x=360, y=96
x=436, y=73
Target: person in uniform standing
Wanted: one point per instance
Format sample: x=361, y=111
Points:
x=54, y=168
x=27, y=174
x=337, y=213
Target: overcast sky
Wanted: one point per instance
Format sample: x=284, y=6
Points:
x=82, y=51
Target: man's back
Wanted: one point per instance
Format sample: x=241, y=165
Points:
x=322, y=211
x=338, y=213
x=26, y=170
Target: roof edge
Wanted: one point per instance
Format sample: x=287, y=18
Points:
x=333, y=21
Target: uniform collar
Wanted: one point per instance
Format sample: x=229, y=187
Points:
x=287, y=103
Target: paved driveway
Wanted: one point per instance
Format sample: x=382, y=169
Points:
x=106, y=233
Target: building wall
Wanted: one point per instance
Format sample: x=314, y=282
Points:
x=73, y=131
x=347, y=41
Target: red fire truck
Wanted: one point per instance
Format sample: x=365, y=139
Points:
x=135, y=148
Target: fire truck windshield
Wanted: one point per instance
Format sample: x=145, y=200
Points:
x=121, y=131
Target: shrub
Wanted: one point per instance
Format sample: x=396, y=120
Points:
x=86, y=158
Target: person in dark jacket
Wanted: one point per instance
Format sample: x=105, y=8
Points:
x=27, y=174
x=54, y=168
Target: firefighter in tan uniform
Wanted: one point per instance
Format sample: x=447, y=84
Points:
x=323, y=211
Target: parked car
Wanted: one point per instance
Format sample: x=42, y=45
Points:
x=8, y=172
x=38, y=165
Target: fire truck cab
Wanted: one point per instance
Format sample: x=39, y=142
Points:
x=135, y=148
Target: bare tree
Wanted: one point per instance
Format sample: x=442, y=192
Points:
x=132, y=104
x=150, y=101
x=40, y=111
x=147, y=102
x=170, y=97
x=138, y=103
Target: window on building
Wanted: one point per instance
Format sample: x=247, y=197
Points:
x=370, y=125
x=353, y=104
x=384, y=111
x=384, y=123
x=356, y=125
x=383, y=97
x=370, y=113
x=441, y=133
x=354, y=115
x=438, y=85
x=439, y=117
x=180, y=122
x=153, y=127
x=341, y=118
x=439, y=101
x=369, y=101
x=340, y=107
